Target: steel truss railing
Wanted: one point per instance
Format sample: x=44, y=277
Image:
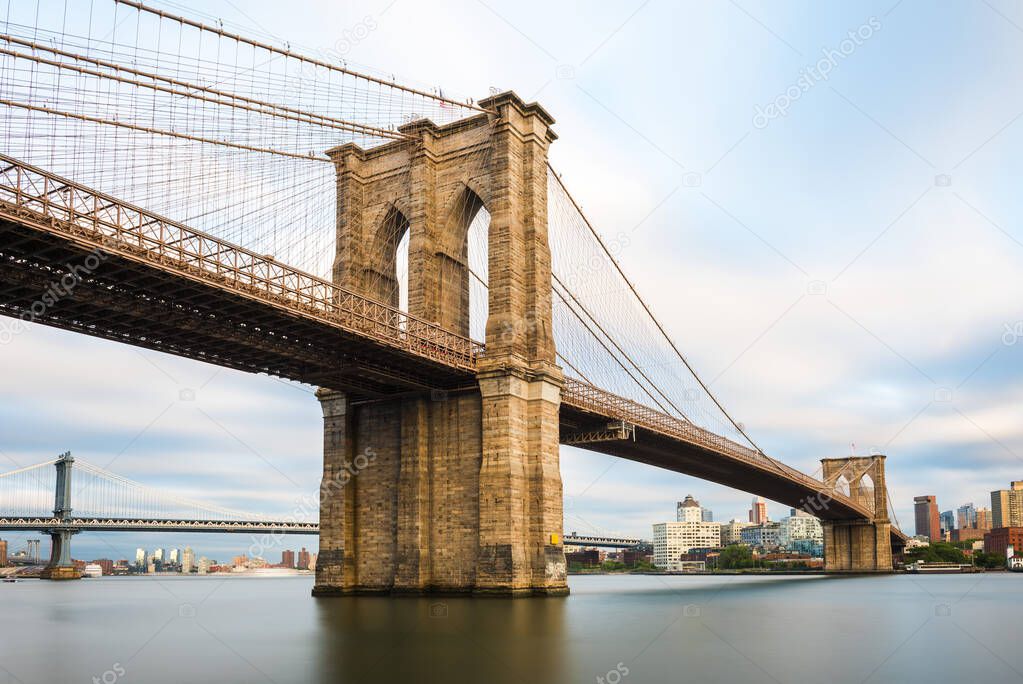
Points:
x=71, y=210
x=153, y=524
x=584, y=540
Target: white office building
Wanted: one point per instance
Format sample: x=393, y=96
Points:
x=799, y=526
x=672, y=539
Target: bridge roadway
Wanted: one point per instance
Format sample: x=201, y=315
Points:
x=157, y=525
x=37, y=523
x=157, y=284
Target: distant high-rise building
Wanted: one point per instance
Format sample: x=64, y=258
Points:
x=312, y=561
x=947, y=522
x=3, y=553
x=708, y=515
x=187, y=560
x=758, y=513
x=303, y=558
x=288, y=558
x=175, y=556
x=204, y=565
x=999, y=508
x=688, y=510
x=966, y=516
x=140, y=557
x=1007, y=506
x=240, y=562
x=983, y=518
x=927, y=522
x=158, y=555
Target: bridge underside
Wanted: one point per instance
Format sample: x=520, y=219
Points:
x=133, y=302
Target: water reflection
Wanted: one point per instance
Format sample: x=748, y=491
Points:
x=442, y=640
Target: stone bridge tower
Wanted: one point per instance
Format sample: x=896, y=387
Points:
x=460, y=492
x=858, y=545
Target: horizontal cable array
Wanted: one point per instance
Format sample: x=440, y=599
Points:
x=205, y=126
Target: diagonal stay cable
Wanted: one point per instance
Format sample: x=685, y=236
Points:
x=649, y=313
x=618, y=347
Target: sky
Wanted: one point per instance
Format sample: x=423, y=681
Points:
x=828, y=227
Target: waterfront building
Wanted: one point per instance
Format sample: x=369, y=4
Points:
x=1000, y=538
x=688, y=510
x=3, y=553
x=106, y=565
x=731, y=532
x=187, y=560
x=758, y=513
x=287, y=558
x=800, y=526
x=672, y=539
x=587, y=558
x=140, y=557
x=764, y=536
x=303, y=558
x=809, y=547
x=312, y=561
x=204, y=565
x=240, y=561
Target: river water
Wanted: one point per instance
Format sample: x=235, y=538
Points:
x=613, y=629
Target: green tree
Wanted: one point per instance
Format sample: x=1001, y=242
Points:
x=936, y=552
x=736, y=556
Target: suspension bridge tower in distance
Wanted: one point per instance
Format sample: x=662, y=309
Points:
x=61, y=567
x=859, y=545
x=464, y=491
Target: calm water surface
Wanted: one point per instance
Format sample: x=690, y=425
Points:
x=628, y=629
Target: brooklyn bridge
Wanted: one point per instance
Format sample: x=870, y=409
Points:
x=177, y=187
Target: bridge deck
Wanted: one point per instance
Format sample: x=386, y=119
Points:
x=163, y=286
x=25, y=523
